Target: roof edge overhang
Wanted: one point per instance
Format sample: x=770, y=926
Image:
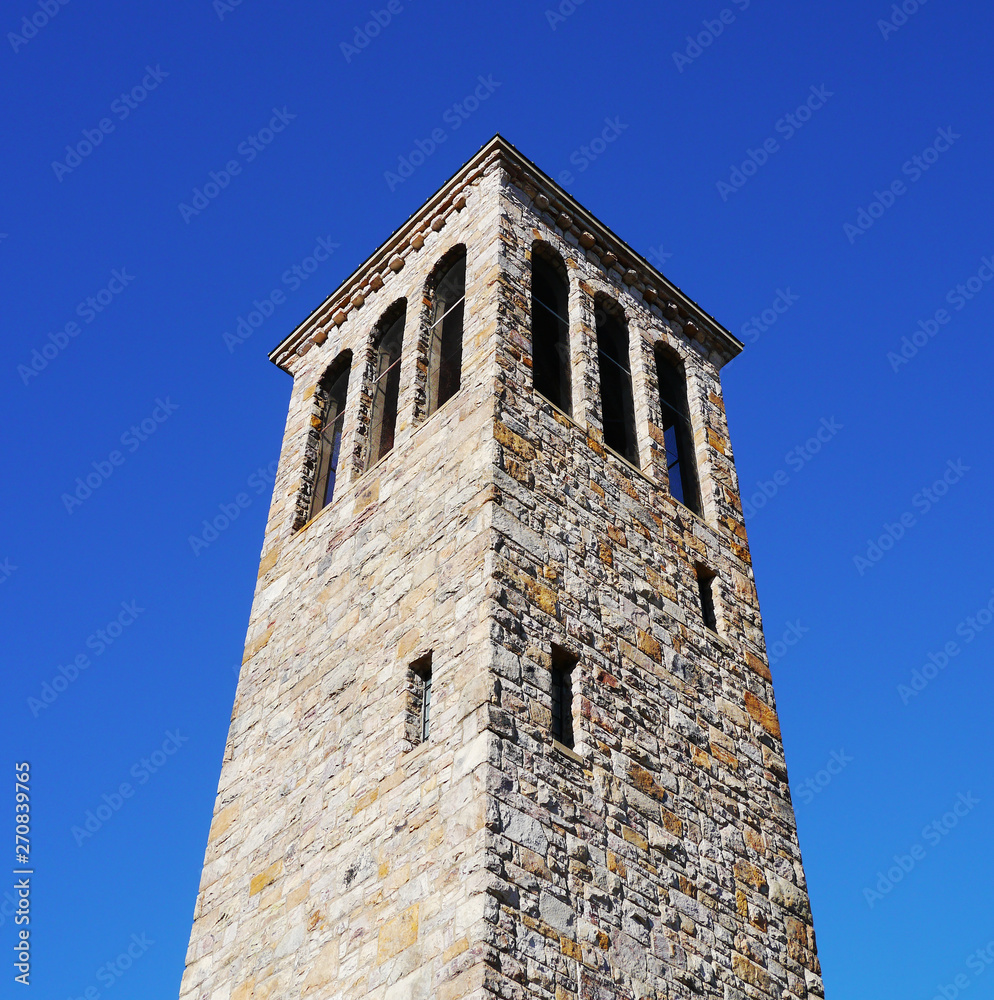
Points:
x=566, y=213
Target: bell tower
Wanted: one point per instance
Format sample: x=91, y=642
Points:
x=505, y=725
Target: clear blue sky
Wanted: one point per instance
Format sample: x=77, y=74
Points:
x=745, y=209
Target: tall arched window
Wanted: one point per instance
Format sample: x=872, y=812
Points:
x=446, y=301
x=550, y=327
x=334, y=388
x=678, y=432
x=617, y=402
x=385, y=387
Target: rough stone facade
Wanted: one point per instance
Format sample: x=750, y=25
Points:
x=658, y=857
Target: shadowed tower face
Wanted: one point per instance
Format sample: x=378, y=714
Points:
x=505, y=723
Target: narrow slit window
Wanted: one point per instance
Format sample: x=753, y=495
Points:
x=445, y=334
x=705, y=590
x=563, y=664
x=330, y=443
x=426, y=705
x=419, y=714
x=550, y=332
x=617, y=401
x=678, y=433
x=385, y=388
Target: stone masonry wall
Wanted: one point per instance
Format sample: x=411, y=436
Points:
x=661, y=858
x=341, y=863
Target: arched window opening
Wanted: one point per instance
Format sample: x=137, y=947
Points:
x=678, y=432
x=335, y=386
x=617, y=402
x=550, y=331
x=445, y=333
x=385, y=388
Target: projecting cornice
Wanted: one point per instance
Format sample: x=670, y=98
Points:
x=618, y=260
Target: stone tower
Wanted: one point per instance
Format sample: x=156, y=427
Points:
x=505, y=724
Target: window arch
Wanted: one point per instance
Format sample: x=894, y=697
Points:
x=678, y=431
x=445, y=299
x=617, y=401
x=384, y=387
x=550, y=327
x=331, y=396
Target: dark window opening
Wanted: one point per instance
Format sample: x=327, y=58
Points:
x=421, y=700
x=330, y=443
x=550, y=333
x=385, y=390
x=445, y=334
x=678, y=433
x=617, y=402
x=705, y=590
x=563, y=663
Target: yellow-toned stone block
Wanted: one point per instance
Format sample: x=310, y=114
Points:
x=268, y=560
x=298, y=896
x=397, y=934
x=366, y=800
x=763, y=714
x=253, y=647
x=409, y=642
x=223, y=820
x=633, y=837
x=513, y=441
x=748, y=872
x=454, y=950
x=648, y=645
x=266, y=877
x=244, y=991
